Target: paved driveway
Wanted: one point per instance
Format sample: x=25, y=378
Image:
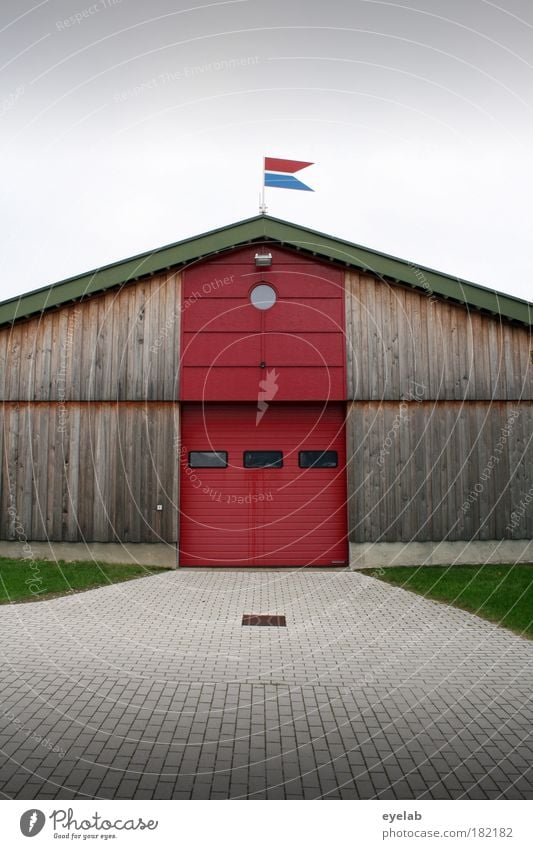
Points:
x=153, y=689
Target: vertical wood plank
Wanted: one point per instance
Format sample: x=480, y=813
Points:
x=170, y=361
x=52, y=474
x=55, y=498
x=388, y=380
x=123, y=337
x=99, y=388
x=361, y=353
x=107, y=332
x=4, y=363
x=55, y=347
x=38, y=428
x=149, y=340
x=74, y=344
x=131, y=358
x=403, y=346
x=349, y=338
x=75, y=488
x=11, y=439
x=47, y=365
x=14, y=354
x=114, y=324
x=419, y=344
x=149, y=461
x=27, y=357
x=175, y=282
x=4, y=482
x=434, y=349
x=469, y=363
x=99, y=415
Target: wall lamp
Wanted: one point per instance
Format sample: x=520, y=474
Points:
x=262, y=260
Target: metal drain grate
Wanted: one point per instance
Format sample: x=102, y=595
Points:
x=275, y=619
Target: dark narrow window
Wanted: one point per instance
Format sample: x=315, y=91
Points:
x=263, y=459
x=318, y=459
x=208, y=459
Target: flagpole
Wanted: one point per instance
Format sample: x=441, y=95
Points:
x=262, y=205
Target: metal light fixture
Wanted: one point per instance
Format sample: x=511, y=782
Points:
x=263, y=260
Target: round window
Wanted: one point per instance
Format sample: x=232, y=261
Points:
x=263, y=296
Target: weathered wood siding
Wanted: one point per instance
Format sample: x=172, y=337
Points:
x=123, y=344
x=93, y=471
x=407, y=344
x=445, y=470
x=90, y=418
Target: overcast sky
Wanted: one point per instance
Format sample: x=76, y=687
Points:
x=128, y=124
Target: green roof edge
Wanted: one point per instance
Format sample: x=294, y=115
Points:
x=268, y=228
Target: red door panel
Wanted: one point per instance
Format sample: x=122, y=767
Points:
x=304, y=349
x=205, y=383
x=263, y=517
x=235, y=281
x=220, y=315
x=222, y=349
x=303, y=281
x=316, y=314
x=276, y=349
x=220, y=384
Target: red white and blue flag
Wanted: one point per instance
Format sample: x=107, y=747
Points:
x=279, y=173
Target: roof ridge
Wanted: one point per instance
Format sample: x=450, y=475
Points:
x=245, y=231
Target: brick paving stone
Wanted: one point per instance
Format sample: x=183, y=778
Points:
x=152, y=689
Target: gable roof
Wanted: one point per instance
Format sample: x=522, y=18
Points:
x=261, y=229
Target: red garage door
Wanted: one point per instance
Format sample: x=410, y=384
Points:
x=263, y=487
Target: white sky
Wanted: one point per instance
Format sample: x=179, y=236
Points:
x=143, y=124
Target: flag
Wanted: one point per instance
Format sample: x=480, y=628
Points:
x=278, y=173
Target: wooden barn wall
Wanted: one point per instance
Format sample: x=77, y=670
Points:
x=123, y=344
x=446, y=470
x=407, y=344
x=93, y=471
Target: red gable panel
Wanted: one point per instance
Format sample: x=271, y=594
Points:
x=229, y=346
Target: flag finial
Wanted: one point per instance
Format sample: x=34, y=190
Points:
x=278, y=173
